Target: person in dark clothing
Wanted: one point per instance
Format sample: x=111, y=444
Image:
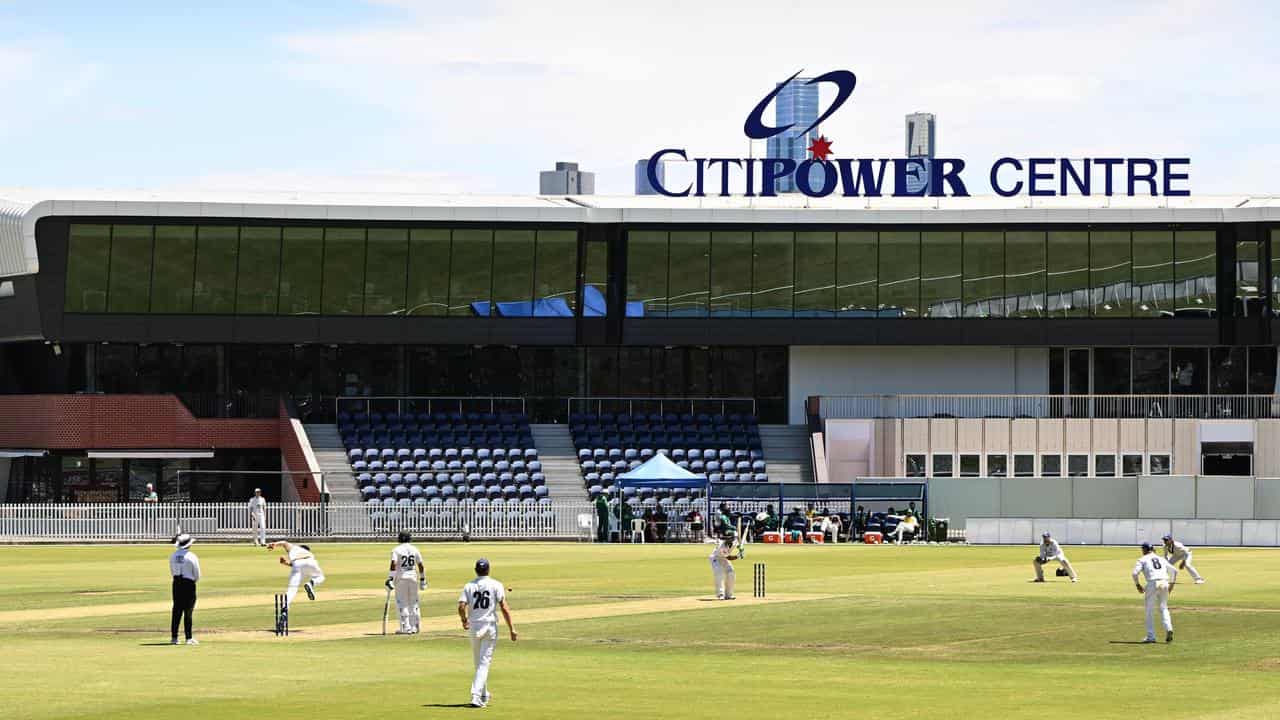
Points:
x=602, y=518
x=796, y=524
x=660, y=520
x=184, y=567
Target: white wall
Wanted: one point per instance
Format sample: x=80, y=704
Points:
x=834, y=370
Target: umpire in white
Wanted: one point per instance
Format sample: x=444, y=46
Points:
x=184, y=566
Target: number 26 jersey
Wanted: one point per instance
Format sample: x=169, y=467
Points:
x=482, y=596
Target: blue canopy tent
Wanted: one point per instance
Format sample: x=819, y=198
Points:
x=659, y=472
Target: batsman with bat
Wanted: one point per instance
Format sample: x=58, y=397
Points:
x=722, y=559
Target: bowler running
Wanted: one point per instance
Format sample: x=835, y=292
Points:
x=303, y=570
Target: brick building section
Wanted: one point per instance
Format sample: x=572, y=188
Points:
x=143, y=422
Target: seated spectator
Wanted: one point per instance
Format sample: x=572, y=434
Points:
x=860, y=521
x=795, y=524
x=771, y=519
x=624, y=526
x=695, y=523
x=908, y=525
x=911, y=508
x=831, y=527
x=650, y=526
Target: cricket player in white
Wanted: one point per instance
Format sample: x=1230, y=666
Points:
x=477, y=607
x=303, y=569
x=722, y=565
x=1178, y=554
x=408, y=578
x=1160, y=576
x=258, y=517
x=1050, y=551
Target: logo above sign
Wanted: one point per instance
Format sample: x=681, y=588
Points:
x=821, y=175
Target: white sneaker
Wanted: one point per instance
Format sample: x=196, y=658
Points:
x=1075, y=580
x=1148, y=640
x=1200, y=581
x=193, y=641
x=477, y=702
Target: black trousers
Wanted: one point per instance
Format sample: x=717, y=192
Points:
x=184, y=604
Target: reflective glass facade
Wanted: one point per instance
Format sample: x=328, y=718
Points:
x=891, y=273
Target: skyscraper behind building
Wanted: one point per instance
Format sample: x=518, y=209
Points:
x=643, y=187
x=922, y=135
x=796, y=105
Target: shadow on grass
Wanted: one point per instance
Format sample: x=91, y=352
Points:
x=449, y=705
x=1131, y=642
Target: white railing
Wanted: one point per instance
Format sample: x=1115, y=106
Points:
x=1123, y=531
x=1049, y=406
x=129, y=522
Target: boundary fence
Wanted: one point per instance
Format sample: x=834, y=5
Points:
x=143, y=522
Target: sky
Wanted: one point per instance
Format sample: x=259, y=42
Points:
x=477, y=96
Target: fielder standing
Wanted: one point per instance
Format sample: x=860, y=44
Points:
x=476, y=607
x=1050, y=551
x=258, y=517
x=1160, y=576
x=1178, y=554
x=722, y=558
x=408, y=578
x=303, y=570
x=184, y=566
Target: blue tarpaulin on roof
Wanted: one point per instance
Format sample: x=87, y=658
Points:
x=546, y=307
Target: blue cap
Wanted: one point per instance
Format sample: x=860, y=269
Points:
x=482, y=566
x=1146, y=547
x=1044, y=534
x=1167, y=536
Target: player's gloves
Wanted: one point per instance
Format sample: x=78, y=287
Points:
x=422, y=584
x=388, y=584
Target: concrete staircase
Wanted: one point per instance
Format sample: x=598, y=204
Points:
x=326, y=443
x=559, y=462
x=786, y=452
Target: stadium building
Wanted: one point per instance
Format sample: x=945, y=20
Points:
x=149, y=333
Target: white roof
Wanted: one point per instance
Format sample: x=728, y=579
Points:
x=21, y=208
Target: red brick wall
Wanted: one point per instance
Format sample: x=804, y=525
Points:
x=132, y=422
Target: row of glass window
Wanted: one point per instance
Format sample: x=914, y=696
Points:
x=939, y=274
x=1224, y=370
x=268, y=270
x=1024, y=465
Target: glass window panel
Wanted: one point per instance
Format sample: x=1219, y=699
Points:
x=815, y=294
x=1104, y=465
x=130, y=282
x=1262, y=370
x=1248, y=286
x=301, y=270
x=1227, y=370
x=215, y=281
x=984, y=294
x=344, y=257
x=1024, y=465
x=88, y=262
x=730, y=274
x=116, y=367
x=915, y=466
x=647, y=271
x=428, y=272
x=997, y=465
x=856, y=265
x=386, y=271
x=1195, y=273
x=1110, y=273
x=513, y=254
x=1111, y=371
x=258, y=277
x=1057, y=371
x=1077, y=465
x=1190, y=376
x=595, y=281
x=1024, y=274
x=602, y=371
x=470, y=279
x=899, y=274
x=1068, y=274
x=1153, y=273
x=1150, y=371
x=969, y=466
x=772, y=277
x=940, y=274
x=173, y=271
x=555, y=276
x=1159, y=465
x=1131, y=465
x=942, y=465
x=1275, y=272
x=690, y=273
x=1051, y=465
x=771, y=372
x=636, y=372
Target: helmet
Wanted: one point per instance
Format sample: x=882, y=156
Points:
x=404, y=536
x=482, y=566
x=1045, y=534
x=1167, y=537
x=1146, y=548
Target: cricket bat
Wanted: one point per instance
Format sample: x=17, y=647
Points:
x=742, y=540
x=386, y=608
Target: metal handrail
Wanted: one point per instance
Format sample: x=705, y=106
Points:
x=1048, y=406
x=433, y=402
x=663, y=403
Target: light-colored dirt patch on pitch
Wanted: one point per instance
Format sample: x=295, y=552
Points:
x=220, y=602
x=527, y=617
x=107, y=593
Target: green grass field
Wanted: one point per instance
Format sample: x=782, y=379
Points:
x=627, y=632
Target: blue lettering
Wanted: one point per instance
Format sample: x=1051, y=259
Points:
x=804, y=180
x=939, y=172
x=1170, y=176
x=865, y=182
x=1068, y=169
x=995, y=179
x=1149, y=177
x=1034, y=176
x=775, y=168
x=724, y=172
x=1108, y=164
x=652, y=171
x=903, y=170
